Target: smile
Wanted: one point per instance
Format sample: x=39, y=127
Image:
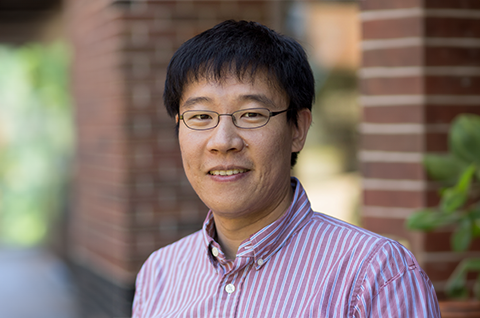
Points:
x=226, y=172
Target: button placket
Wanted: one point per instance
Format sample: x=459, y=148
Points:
x=230, y=288
x=215, y=251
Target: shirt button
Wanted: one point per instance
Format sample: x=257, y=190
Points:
x=215, y=251
x=260, y=262
x=230, y=288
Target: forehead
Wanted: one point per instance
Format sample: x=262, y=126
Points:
x=257, y=80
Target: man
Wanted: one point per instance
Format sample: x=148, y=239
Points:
x=241, y=95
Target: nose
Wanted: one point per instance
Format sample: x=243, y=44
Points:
x=225, y=137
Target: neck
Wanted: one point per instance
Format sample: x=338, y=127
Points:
x=231, y=232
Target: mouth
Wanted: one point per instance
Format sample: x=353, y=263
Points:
x=228, y=172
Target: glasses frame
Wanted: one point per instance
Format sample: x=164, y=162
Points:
x=271, y=114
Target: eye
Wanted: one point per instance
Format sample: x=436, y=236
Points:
x=198, y=116
x=251, y=115
x=201, y=117
x=254, y=114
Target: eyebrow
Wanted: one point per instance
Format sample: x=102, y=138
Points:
x=262, y=99
x=258, y=98
x=195, y=100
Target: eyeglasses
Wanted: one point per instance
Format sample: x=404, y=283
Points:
x=245, y=118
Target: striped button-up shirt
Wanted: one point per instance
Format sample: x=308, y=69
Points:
x=305, y=264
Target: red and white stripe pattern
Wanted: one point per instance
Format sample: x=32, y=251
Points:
x=305, y=264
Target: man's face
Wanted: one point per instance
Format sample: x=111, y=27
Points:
x=240, y=173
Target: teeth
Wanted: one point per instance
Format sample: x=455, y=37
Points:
x=226, y=172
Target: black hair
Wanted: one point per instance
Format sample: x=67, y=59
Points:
x=242, y=48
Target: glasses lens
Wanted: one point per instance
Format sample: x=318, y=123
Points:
x=200, y=119
x=251, y=118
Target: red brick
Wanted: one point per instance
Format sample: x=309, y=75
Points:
x=452, y=56
x=432, y=198
x=255, y=4
x=393, y=228
x=104, y=174
x=452, y=27
x=402, y=143
x=392, y=28
x=393, y=170
x=445, y=114
x=393, y=114
x=203, y=3
x=452, y=4
x=392, y=86
x=439, y=271
x=391, y=4
x=438, y=241
x=452, y=85
x=390, y=198
x=405, y=56
x=436, y=142
x=429, y=55
x=112, y=192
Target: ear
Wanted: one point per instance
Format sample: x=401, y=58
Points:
x=299, y=132
x=176, y=119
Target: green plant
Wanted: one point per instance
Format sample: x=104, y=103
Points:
x=36, y=140
x=459, y=207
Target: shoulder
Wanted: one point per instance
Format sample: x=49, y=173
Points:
x=380, y=259
x=337, y=230
x=388, y=279
x=382, y=252
x=159, y=265
x=171, y=255
x=369, y=252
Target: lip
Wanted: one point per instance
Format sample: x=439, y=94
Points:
x=240, y=173
x=226, y=168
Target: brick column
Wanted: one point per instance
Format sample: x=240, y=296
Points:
x=130, y=193
x=421, y=68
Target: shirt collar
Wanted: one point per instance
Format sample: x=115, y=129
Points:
x=267, y=241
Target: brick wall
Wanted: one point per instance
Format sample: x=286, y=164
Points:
x=130, y=194
x=421, y=68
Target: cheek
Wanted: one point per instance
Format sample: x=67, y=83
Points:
x=274, y=149
x=188, y=149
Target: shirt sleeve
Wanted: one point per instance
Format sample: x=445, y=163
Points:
x=394, y=285
x=137, y=300
x=143, y=286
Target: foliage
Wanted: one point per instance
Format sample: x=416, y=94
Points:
x=459, y=205
x=35, y=139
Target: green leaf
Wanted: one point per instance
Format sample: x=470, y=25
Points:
x=471, y=264
x=443, y=168
x=474, y=215
x=462, y=236
x=476, y=228
x=422, y=220
x=456, y=286
x=428, y=219
x=464, y=138
x=457, y=289
x=466, y=178
x=456, y=283
x=455, y=197
x=475, y=212
x=452, y=199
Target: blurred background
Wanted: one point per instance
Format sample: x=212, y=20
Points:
x=91, y=180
